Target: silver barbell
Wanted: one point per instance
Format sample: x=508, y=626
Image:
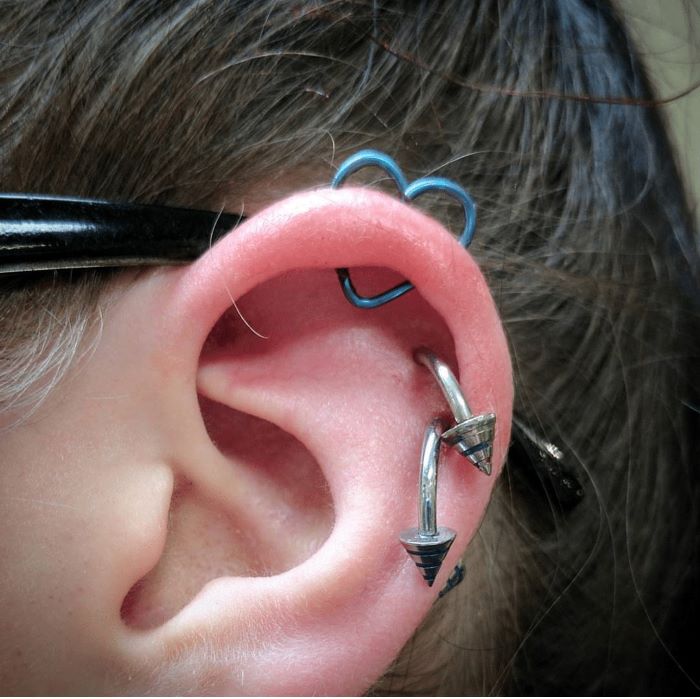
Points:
x=471, y=435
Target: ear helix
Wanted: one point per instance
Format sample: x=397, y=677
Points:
x=472, y=436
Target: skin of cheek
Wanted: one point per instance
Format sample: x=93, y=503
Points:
x=67, y=498
x=79, y=520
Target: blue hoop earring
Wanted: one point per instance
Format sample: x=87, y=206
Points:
x=409, y=191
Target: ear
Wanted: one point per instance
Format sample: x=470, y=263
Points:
x=292, y=424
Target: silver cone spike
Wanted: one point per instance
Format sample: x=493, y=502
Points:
x=428, y=551
x=472, y=436
x=473, y=439
x=427, y=545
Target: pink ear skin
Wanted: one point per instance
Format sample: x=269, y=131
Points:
x=343, y=382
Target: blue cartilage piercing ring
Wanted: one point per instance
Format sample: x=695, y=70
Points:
x=408, y=192
x=472, y=435
x=428, y=544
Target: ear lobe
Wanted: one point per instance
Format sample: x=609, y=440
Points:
x=343, y=383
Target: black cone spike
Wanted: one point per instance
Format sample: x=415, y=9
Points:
x=428, y=552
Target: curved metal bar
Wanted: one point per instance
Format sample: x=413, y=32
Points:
x=409, y=192
x=369, y=301
x=367, y=158
x=427, y=489
x=428, y=544
x=446, y=381
x=471, y=435
x=440, y=184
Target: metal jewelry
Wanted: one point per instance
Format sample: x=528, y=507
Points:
x=456, y=577
x=546, y=466
x=408, y=191
x=428, y=544
x=472, y=435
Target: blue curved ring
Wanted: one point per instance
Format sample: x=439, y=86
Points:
x=440, y=184
x=409, y=192
x=366, y=158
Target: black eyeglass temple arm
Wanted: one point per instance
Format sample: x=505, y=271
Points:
x=40, y=232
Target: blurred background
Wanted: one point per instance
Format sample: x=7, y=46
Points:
x=668, y=37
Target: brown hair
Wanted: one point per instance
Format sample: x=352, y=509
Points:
x=584, y=236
